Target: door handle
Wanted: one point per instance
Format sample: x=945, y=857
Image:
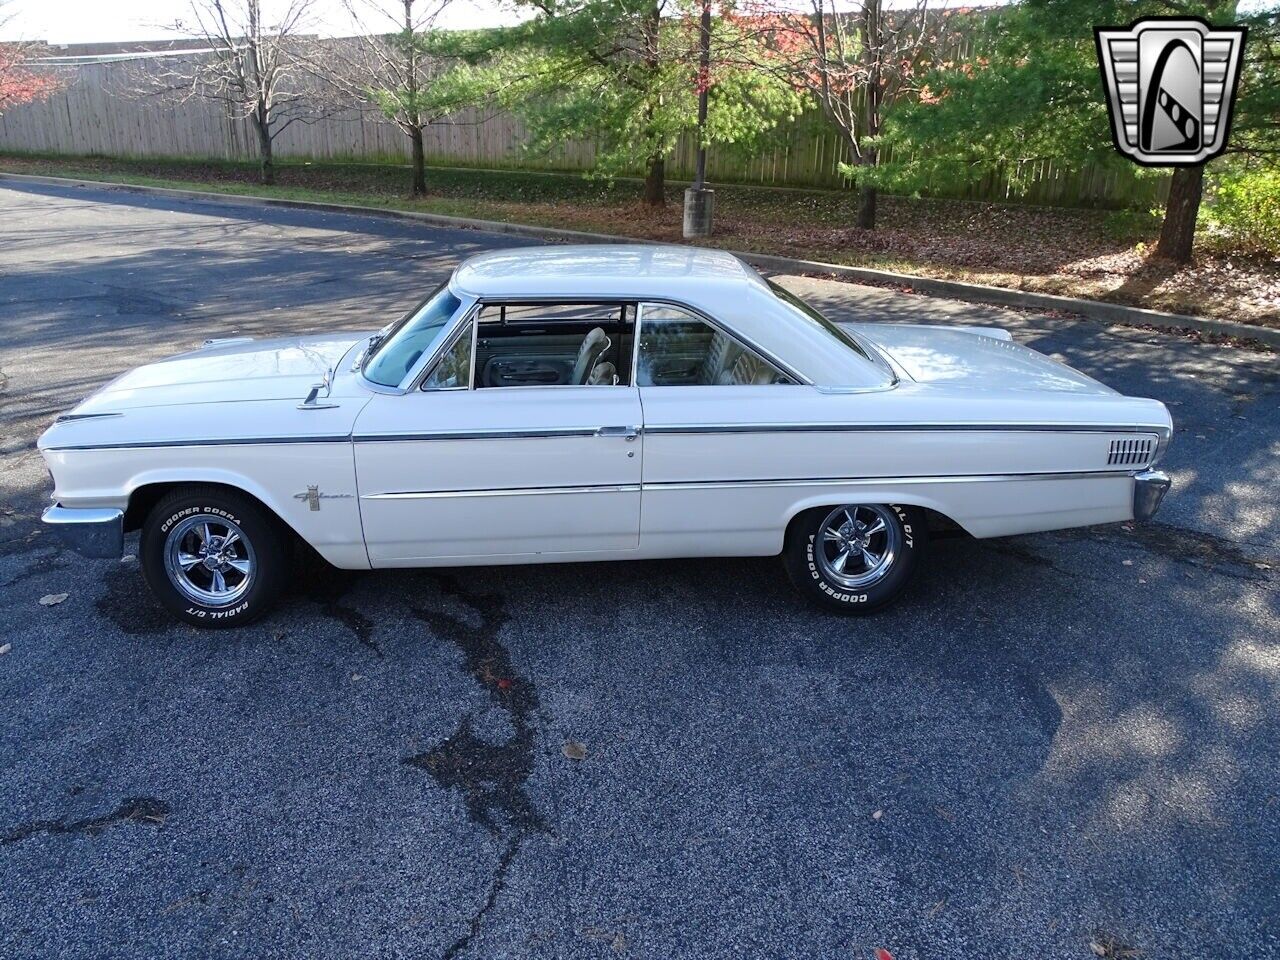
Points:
x=626, y=433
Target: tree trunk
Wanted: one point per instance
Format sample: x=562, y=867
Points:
x=871, y=54
x=419, y=163
x=268, y=172
x=655, y=184
x=866, y=208
x=1178, y=231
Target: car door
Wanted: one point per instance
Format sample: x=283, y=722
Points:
x=466, y=470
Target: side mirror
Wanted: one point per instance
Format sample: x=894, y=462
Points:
x=313, y=396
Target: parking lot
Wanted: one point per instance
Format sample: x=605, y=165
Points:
x=1065, y=745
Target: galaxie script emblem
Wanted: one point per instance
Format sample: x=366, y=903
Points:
x=313, y=496
x=1171, y=84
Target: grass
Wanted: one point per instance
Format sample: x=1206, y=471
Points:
x=1082, y=253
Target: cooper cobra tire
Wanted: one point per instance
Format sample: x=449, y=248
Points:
x=213, y=557
x=855, y=558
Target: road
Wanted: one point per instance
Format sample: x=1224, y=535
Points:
x=1057, y=745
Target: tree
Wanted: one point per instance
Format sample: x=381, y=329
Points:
x=398, y=66
x=1035, y=93
x=856, y=60
x=250, y=67
x=19, y=82
x=626, y=75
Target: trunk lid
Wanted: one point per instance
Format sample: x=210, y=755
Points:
x=965, y=357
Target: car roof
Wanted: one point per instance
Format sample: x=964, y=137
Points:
x=606, y=270
x=713, y=282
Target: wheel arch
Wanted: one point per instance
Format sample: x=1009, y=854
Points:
x=143, y=496
x=940, y=523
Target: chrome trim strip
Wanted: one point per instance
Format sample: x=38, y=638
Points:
x=876, y=481
x=681, y=429
x=730, y=428
x=724, y=484
x=229, y=442
x=545, y=433
x=502, y=492
x=70, y=417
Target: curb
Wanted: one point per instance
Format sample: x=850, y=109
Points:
x=1112, y=313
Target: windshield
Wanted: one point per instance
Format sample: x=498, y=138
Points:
x=846, y=337
x=394, y=354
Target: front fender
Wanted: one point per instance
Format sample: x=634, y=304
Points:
x=280, y=476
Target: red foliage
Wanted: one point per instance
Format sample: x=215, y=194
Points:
x=18, y=83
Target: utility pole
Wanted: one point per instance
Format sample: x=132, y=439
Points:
x=699, y=201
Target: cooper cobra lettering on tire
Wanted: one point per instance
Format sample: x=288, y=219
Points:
x=854, y=558
x=213, y=556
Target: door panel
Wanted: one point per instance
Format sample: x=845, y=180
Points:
x=540, y=360
x=516, y=471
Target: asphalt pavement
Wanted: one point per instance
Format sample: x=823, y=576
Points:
x=1065, y=745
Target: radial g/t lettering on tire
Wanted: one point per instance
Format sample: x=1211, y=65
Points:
x=212, y=557
x=855, y=558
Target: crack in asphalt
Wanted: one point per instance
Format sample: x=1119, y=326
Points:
x=490, y=776
x=328, y=586
x=45, y=563
x=147, y=810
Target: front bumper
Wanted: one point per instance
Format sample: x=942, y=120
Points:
x=90, y=531
x=1149, y=488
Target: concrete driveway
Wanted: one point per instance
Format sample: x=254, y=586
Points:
x=1057, y=746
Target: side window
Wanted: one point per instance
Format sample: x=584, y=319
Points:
x=554, y=344
x=679, y=349
x=453, y=370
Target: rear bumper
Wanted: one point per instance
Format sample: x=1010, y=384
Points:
x=1149, y=488
x=90, y=531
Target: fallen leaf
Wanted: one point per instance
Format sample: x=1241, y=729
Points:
x=5, y=649
x=357, y=676
x=49, y=599
x=504, y=684
x=575, y=750
x=883, y=954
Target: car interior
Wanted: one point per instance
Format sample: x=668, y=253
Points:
x=678, y=348
x=590, y=344
x=548, y=344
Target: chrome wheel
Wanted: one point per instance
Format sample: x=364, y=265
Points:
x=209, y=559
x=856, y=545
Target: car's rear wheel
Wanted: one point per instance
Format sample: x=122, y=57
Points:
x=213, y=557
x=855, y=558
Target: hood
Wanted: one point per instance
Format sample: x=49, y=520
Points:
x=969, y=357
x=223, y=371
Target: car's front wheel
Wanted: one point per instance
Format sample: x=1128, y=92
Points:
x=855, y=558
x=213, y=557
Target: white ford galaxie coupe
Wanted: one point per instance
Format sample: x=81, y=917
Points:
x=593, y=403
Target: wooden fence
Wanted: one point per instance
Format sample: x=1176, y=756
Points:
x=92, y=116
